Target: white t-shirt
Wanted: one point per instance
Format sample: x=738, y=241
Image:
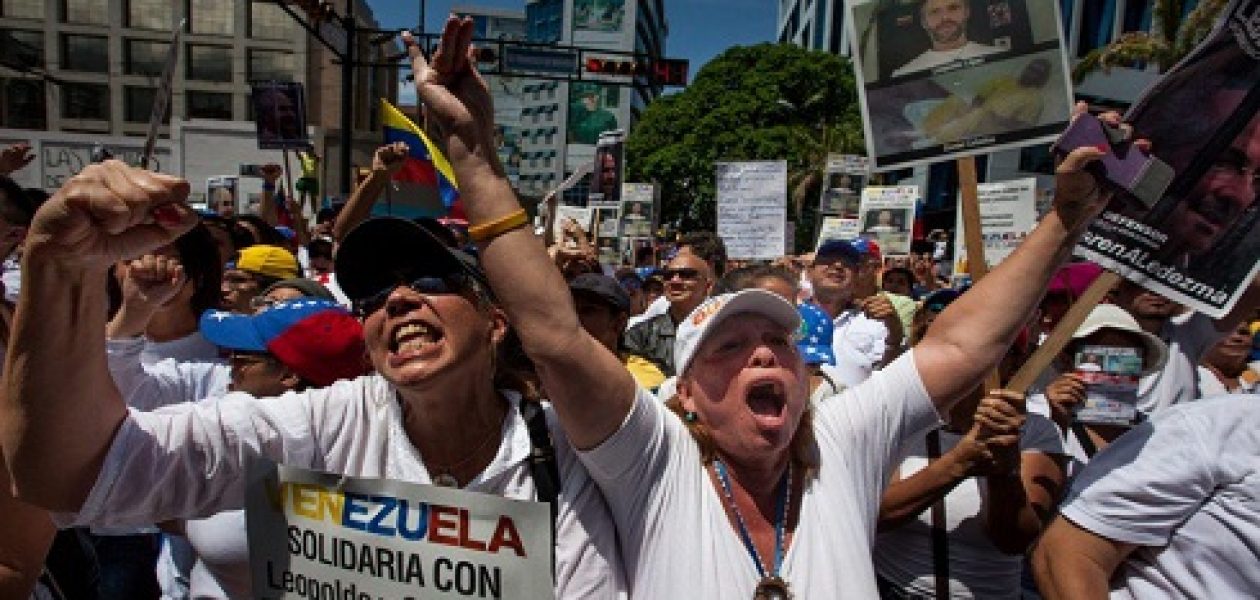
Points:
x=977, y=569
x=1188, y=341
x=192, y=347
x=188, y=461
x=676, y=538
x=168, y=381
x=859, y=343
x=931, y=59
x=1185, y=487
x=1210, y=385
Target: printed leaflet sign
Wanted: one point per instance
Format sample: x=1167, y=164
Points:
x=752, y=208
x=1008, y=211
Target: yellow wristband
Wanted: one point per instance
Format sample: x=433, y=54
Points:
x=488, y=231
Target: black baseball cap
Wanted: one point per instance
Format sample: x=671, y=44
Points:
x=604, y=287
x=386, y=251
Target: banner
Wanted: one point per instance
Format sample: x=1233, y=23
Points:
x=752, y=208
x=1008, y=211
x=316, y=535
x=887, y=216
x=843, y=180
x=838, y=228
x=1199, y=245
x=939, y=79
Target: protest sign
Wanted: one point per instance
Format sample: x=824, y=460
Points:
x=837, y=228
x=580, y=215
x=752, y=208
x=887, y=216
x=1008, y=212
x=221, y=195
x=843, y=180
x=1111, y=378
x=608, y=170
x=316, y=535
x=280, y=115
x=1199, y=244
x=638, y=210
x=607, y=233
x=932, y=88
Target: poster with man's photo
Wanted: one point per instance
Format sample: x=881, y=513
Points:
x=843, y=180
x=608, y=170
x=280, y=115
x=593, y=110
x=638, y=210
x=1199, y=244
x=887, y=216
x=940, y=79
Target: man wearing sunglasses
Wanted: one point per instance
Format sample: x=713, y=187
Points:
x=689, y=278
x=868, y=331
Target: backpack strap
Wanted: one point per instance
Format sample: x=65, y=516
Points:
x=542, y=464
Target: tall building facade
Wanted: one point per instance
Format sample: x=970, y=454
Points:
x=76, y=72
x=1087, y=24
x=560, y=121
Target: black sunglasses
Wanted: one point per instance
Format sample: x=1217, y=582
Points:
x=428, y=285
x=687, y=274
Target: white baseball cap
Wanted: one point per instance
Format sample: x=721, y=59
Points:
x=1110, y=316
x=696, y=327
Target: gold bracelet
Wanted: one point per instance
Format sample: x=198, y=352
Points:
x=488, y=231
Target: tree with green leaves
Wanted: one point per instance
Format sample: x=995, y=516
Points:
x=763, y=102
x=1173, y=35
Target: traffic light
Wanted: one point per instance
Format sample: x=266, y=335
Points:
x=666, y=71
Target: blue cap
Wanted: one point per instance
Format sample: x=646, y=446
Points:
x=837, y=250
x=287, y=232
x=252, y=333
x=814, y=339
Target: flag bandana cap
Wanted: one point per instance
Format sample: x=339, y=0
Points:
x=814, y=337
x=425, y=164
x=321, y=341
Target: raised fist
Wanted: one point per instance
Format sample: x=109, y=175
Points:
x=390, y=157
x=109, y=212
x=151, y=282
x=15, y=157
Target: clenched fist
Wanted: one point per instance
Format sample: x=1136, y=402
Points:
x=109, y=212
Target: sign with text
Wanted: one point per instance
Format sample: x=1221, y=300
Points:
x=1199, y=245
x=752, y=208
x=843, y=180
x=316, y=535
x=638, y=210
x=887, y=216
x=838, y=228
x=940, y=79
x=1008, y=211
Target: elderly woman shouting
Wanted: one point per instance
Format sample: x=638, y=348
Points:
x=750, y=492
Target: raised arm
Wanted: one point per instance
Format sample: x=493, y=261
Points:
x=969, y=338
x=387, y=160
x=267, y=204
x=590, y=389
x=28, y=534
x=59, y=409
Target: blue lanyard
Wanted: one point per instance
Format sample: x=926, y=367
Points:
x=780, y=519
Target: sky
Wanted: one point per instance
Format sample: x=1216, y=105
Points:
x=698, y=29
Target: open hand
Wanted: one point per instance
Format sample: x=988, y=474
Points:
x=109, y=212
x=455, y=96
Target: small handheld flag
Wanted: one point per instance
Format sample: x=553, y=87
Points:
x=425, y=164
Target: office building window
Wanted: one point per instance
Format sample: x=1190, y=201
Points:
x=85, y=101
x=23, y=104
x=270, y=64
x=137, y=104
x=144, y=57
x=87, y=53
x=210, y=16
x=150, y=14
x=22, y=9
x=209, y=105
x=90, y=12
x=267, y=21
x=22, y=48
x=209, y=63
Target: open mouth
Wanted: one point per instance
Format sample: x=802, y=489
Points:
x=414, y=338
x=766, y=399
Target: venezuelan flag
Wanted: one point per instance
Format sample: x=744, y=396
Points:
x=425, y=166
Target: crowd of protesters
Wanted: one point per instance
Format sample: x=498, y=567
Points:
x=818, y=427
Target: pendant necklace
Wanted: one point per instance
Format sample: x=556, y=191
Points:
x=443, y=475
x=771, y=586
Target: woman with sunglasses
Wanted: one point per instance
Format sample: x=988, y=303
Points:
x=749, y=492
